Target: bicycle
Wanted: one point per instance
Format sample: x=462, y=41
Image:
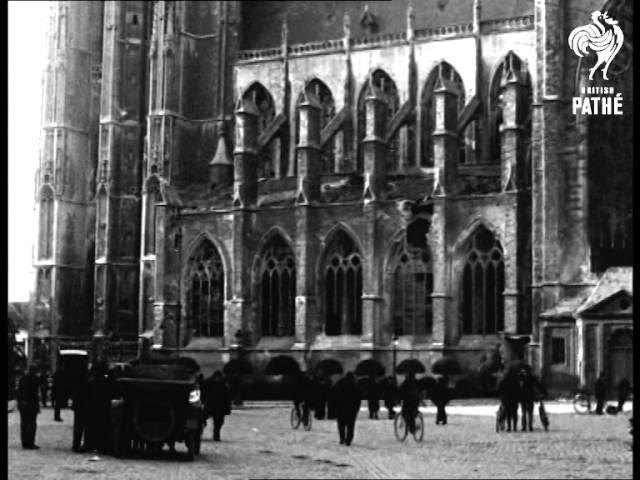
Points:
x=401, y=429
x=583, y=403
x=296, y=418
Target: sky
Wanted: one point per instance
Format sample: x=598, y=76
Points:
x=27, y=58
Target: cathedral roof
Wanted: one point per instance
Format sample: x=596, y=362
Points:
x=317, y=21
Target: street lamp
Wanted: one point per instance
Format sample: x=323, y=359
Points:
x=394, y=342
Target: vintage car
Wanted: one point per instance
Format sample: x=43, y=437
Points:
x=157, y=402
x=71, y=362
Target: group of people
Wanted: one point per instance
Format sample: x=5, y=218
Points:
x=91, y=393
x=519, y=387
x=341, y=401
x=600, y=392
x=33, y=392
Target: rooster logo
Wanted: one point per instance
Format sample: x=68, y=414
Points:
x=604, y=37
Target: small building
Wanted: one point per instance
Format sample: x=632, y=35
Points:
x=584, y=335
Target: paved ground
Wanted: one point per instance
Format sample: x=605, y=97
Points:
x=259, y=443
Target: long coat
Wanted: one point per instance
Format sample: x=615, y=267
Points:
x=347, y=398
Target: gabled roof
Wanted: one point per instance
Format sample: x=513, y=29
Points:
x=614, y=281
x=565, y=307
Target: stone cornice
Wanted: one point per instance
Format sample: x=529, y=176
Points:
x=422, y=35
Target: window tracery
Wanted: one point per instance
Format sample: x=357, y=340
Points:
x=483, y=285
x=320, y=90
x=278, y=289
x=428, y=115
x=205, y=291
x=272, y=157
x=343, y=287
x=412, y=282
x=384, y=83
x=496, y=105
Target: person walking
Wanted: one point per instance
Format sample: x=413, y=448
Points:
x=323, y=385
x=440, y=396
x=81, y=406
x=347, y=399
x=218, y=403
x=600, y=392
x=410, y=396
x=529, y=388
x=303, y=397
x=43, y=378
x=58, y=393
x=624, y=390
x=389, y=389
x=373, y=397
x=98, y=428
x=508, y=392
x=29, y=407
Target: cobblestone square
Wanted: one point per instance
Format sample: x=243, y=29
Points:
x=258, y=442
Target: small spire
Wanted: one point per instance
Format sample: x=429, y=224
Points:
x=346, y=25
x=368, y=21
x=284, y=34
x=410, y=20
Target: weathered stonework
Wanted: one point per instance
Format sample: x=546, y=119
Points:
x=180, y=142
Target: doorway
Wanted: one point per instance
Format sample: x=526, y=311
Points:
x=620, y=357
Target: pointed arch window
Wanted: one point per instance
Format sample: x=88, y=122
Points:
x=382, y=81
x=412, y=279
x=343, y=287
x=205, y=291
x=272, y=158
x=45, y=247
x=449, y=74
x=320, y=90
x=277, y=289
x=510, y=63
x=483, y=285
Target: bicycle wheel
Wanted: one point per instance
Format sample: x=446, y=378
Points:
x=295, y=418
x=400, y=427
x=418, y=433
x=581, y=404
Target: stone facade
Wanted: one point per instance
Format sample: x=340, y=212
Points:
x=329, y=181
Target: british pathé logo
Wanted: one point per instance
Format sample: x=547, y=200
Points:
x=604, y=37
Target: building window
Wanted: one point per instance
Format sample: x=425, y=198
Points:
x=318, y=89
x=343, y=287
x=558, y=352
x=440, y=74
x=483, y=285
x=384, y=83
x=496, y=104
x=45, y=249
x=44, y=286
x=205, y=294
x=412, y=282
x=271, y=157
x=278, y=289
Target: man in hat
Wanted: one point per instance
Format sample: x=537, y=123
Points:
x=29, y=407
x=347, y=406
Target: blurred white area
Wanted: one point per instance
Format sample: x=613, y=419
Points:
x=27, y=59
